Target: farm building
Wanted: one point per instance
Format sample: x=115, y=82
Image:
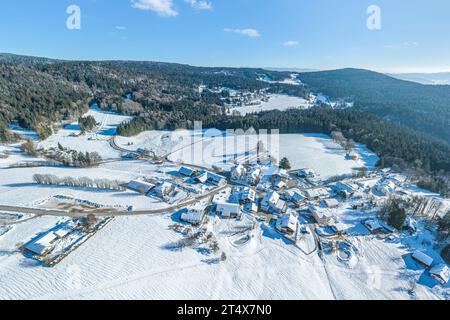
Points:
x=210, y=177
x=164, y=189
x=228, y=210
x=43, y=244
x=422, y=258
x=187, y=172
x=286, y=223
x=441, y=273
x=373, y=226
x=330, y=203
x=193, y=215
x=140, y=186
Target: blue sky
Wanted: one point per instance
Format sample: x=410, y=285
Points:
x=318, y=34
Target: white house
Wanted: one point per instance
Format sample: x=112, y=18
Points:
x=422, y=258
x=286, y=223
x=193, y=215
x=228, y=210
x=254, y=176
x=239, y=172
x=140, y=186
x=441, y=273
x=271, y=199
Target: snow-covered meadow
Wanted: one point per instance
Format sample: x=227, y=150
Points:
x=275, y=102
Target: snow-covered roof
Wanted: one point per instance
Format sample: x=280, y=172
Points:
x=423, y=258
x=140, y=186
x=39, y=246
x=185, y=171
x=287, y=221
x=441, y=272
x=373, y=225
x=193, y=215
x=271, y=198
x=331, y=203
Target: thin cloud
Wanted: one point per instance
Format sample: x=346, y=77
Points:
x=291, y=43
x=121, y=28
x=200, y=4
x=163, y=8
x=252, y=33
x=406, y=44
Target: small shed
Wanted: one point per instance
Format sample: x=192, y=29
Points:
x=441, y=273
x=422, y=258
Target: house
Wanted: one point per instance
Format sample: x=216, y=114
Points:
x=339, y=228
x=251, y=207
x=422, y=258
x=298, y=198
x=164, y=189
x=187, y=172
x=254, y=177
x=279, y=185
x=43, y=244
x=140, y=186
x=331, y=203
x=193, y=215
x=441, y=273
x=273, y=203
x=202, y=177
x=271, y=199
x=311, y=194
x=228, y=210
x=344, y=188
x=247, y=195
x=210, y=177
x=323, y=217
x=286, y=223
x=373, y=225
x=239, y=172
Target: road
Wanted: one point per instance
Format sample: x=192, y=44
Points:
x=110, y=212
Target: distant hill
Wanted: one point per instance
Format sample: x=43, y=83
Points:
x=442, y=78
x=424, y=108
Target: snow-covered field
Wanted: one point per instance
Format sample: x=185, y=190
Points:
x=276, y=102
x=133, y=257
x=92, y=142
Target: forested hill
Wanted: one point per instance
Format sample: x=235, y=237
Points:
x=424, y=108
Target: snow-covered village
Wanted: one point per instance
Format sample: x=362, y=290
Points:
x=90, y=214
